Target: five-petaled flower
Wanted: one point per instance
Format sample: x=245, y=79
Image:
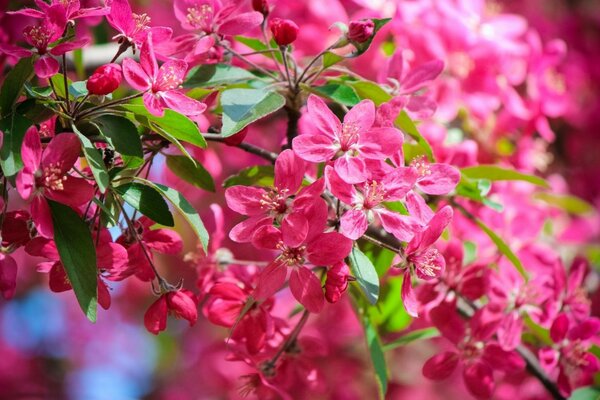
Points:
x=161, y=86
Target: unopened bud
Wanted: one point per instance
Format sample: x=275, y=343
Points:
x=262, y=6
x=105, y=80
x=360, y=31
x=284, y=31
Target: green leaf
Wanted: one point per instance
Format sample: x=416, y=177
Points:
x=470, y=253
x=184, y=207
x=495, y=173
x=258, y=175
x=365, y=274
x=35, y=110
x=177, y=125
x=146, y=200
x=503, y=248
x=364, y=46
x=241, y=107
x=78, y=256
x=258, y=45
x=211, y=75
x=14, y=127
x=586, y=393
x=389, y=314
x=95, y=161
x=477, y=189
x=420, y=334
x=371, y=90
x=330, y=59
x=13, y=84
x=407, y=125
x=377, y=355
x=569, y=203
x=58, y=82
x=122, y=135
x=191, y=171
x=339, y=93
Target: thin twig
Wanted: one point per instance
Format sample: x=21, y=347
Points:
x=259, y=151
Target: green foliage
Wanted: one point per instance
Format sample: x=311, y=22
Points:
x=241, y=107
x=569, y=203
x=177, y=125
x=122, y=135
x=146, y=200
x=365, y=274
x=211, y=75
x=78, y=256
x=14, y=127
x=406, y=124
x=338, y=92
x=410, y=337
x=13, y=85
x=258, y=175
x=184, y=207
x=94, y=160
x=191, y=171
x=495, y=173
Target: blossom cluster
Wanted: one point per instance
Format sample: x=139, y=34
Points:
x=382, y=170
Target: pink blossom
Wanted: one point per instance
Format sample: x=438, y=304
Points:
x=426, y=261
x=72, y=10
x=336, y=283
x=367, y=198
x=134, y=28
x=224, y=307
x=106, y=79
x=180, y=303
x=160, y=85
x=45, y=175
x=165, y=241
x=265, y=205
x=298, y=244
x=8, y=275
x=570, y=354
x=40, y=37
x=475, y=349
x=214, y=16
x=348, y=144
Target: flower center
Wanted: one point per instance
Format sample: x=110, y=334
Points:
x=169, y=80
x=574, y=354
x=471, y=350
x=52, y=177
x=349, y=136
x=427, y=262
x=38, y=37
x=200, y=17
x=291, y=256
x=374, y=193
x=421, y=165
x=275, y=200
x=142, y=22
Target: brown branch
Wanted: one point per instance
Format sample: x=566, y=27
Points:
x=250, y=148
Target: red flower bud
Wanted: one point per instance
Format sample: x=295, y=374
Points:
x=106, y=79
x=181, y=304
x=262, y=6
x=360, y=31
x=284, y=31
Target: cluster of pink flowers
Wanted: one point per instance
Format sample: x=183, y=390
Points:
x=412, y=192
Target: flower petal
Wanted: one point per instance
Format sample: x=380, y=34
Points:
x=314, y=148
x=322, y=117
x=289, y=172
x=353, y=224
x=306, y=288
x=440, y=366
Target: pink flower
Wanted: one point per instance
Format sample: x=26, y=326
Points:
x=134, y=28
x=407, y=86
x=360, y=31
x=109, y=256
x=180, y=303
x=475, y=349
x=337, y=281
x=226, y=303
x=284, y=31
x=40, y=37
x=212, y=16
x=570, y=290
x=165, y=241
x=161, y=85
x=348, y=144
x=432, y=178
x=265, y=205
x=570, y=354
x=106, y=79
x=15, y=229
x=8, y=276
x=298, y=244
x=72, y=10
x=45, y=175
x=367, y=198
x=426, y=261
